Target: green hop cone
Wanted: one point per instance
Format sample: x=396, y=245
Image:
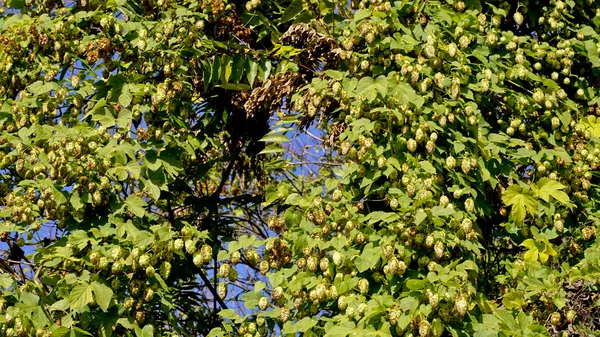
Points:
x=135, y=254
x=94, y=258
x=190, y=246
x=363, y=286
x=424, y=328
x=437, y=327
x=144, y=261
x=116, y=268
x=233, y=275
x=252, y=257
x=102, y=263
x=206, y=253
x=198, y=260
x=263, y=303
x=222, y=290
x=165, y=270
x=178, y=245
x=116, y=253
x=235, y=257
x=224, y=270
x=149, y=295
x=285, y=314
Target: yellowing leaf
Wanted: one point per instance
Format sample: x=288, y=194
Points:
x=531, y=255
x=592, y=124
x=522, y=201
x=546, y=188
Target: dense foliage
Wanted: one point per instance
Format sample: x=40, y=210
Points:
x=147, y=175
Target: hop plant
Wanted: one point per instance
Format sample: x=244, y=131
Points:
x=363, y=286
x=555, y=318
x=178, y=245
x=461, y=305
x=571, y=316
x=437, y=327
x=424, y=328
x=94, y=258
x=452, y=49
x=102, y=263
x=198, y=260
x=411, y=145
x=149, y=295
x=439, y=250
x=394, y=314
x=264, y=267
x=337, y=259
x=263, y=303
x=336, y=196
x=116, y=253
x=470, y=205
x=117, y=268
x=433, y=298
x=284, y=314
x=466, y=165
x=222, y=290
x=467, y=225
x=165, y=270
x=235, y=257
x=190, y=246
x=518, y=17
x=252, y=257
x=312, y=263
x=450, y=163
x=224, y=270
x=144, y=260
x=206, y=252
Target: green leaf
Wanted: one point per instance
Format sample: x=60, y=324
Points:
x=103, y=294
x=147, y=331
x=514, y=300
x=438, y=211
x=334, y=74
x=407, y=95
x=292, y=10
x=234, y=86
x=270, y=149
x=522, y=201
x=5, y=280
x=427, y=167
x=62, y=331
x=264, y=69
x=414, y=284
x=251, y=71
x=368, y=259
x=592, y=53
x=251, y=299
x=136, y=205
x=76, y=201
x=275, y=138
x=125, y=97
x=81, y=295
x=16, y=4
